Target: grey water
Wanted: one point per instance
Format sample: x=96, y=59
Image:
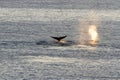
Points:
x=28, y=53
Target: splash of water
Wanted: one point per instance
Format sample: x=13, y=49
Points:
x=93, y=34
x=88, y=34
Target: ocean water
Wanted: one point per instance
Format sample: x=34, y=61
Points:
x=27, y=52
